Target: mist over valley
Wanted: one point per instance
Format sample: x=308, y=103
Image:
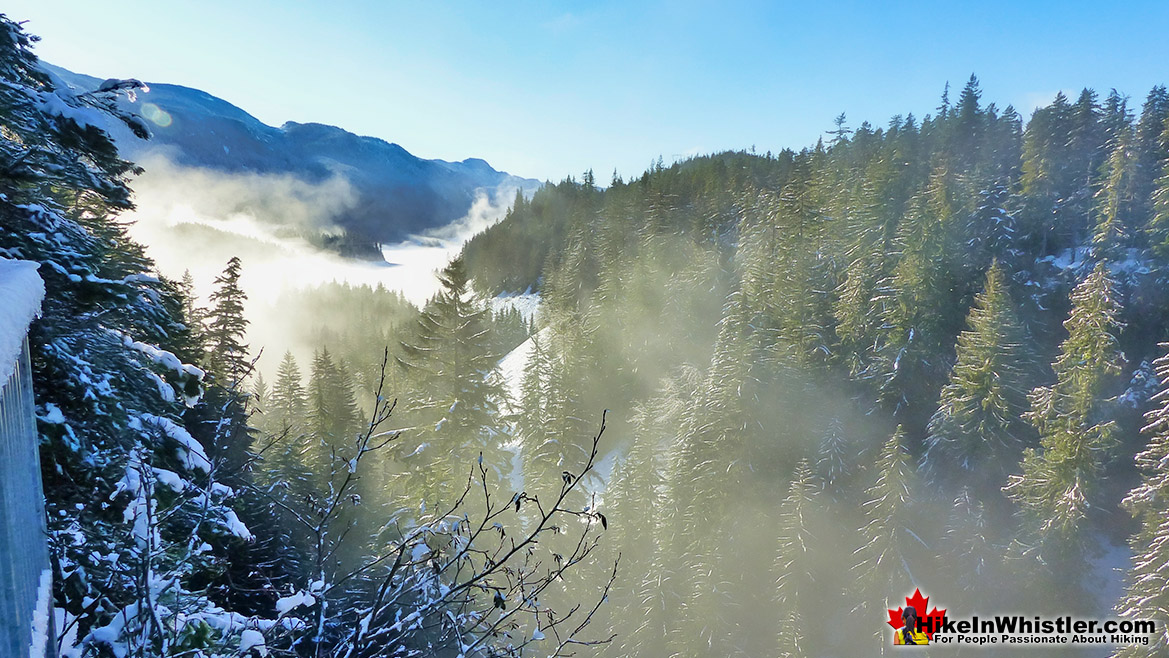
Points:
x=298, y=393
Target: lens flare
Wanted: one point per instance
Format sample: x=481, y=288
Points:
x=156, y=115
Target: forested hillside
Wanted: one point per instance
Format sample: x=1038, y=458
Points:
x=910, y=356
x=195, y=512
x=765, y=397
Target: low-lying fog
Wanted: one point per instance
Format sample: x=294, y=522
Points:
x=194, y=220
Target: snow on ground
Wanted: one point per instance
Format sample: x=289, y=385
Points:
x=516, y=461
x=512, y=366
x=527, y=302
x=1080, y=258
x=1110, y=567
x=511, y=370
x=1068, y=258
x=1141, y=388
x=21, y=292
x=1132, y=264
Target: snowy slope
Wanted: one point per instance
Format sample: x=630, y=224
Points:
x=398, y=194
x=511, y=367
x=527, y=303
x=511, y=371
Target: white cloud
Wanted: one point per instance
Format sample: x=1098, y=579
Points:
x=196, y=219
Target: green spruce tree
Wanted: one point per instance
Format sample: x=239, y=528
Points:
x=977, y=433
x=1113, y=202
x=796, y=562
x=286, y=402
x=331, y=409
x=1060, y=481
x=455, y=395
x=882, y=569
x=226, y=328
x=1146, y=594
x=1158, y=226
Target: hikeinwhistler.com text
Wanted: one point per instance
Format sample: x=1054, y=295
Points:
x=1023, y=630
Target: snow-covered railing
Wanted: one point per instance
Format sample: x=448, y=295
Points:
x=25, y=577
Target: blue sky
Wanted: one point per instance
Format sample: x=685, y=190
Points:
x=547, y=89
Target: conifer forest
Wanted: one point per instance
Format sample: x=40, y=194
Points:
x=758, y=399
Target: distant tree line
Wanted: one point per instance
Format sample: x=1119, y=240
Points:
x=915, y=355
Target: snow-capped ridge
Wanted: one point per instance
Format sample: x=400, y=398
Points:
x=397, y=193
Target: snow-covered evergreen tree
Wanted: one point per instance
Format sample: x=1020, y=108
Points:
x=286, y=402
x=977, y=433
x=137, y=514
x=226, y=327
x=992, y=230
x=1158, y=226
x=836, y=458
x=795, y=561
x=970, y=553
x=1146, y=595
x=455, y=394
x=882, y=567
x=917, y=302
x=1113, y=199
x=1059, y=482
x=638, y=494
x=712, y=456
x=551, y=427
x=1150, y=151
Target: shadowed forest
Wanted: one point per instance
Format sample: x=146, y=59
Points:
x=763, y=398
x=910, y=356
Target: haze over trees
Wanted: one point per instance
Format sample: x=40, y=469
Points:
x=922, y=355
x=185, y=522
x=945, y=324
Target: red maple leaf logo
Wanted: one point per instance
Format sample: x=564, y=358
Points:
x=919, y=603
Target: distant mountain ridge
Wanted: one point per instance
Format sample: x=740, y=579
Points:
x=398, y=194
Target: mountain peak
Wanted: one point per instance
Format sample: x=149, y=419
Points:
x=398, y=194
